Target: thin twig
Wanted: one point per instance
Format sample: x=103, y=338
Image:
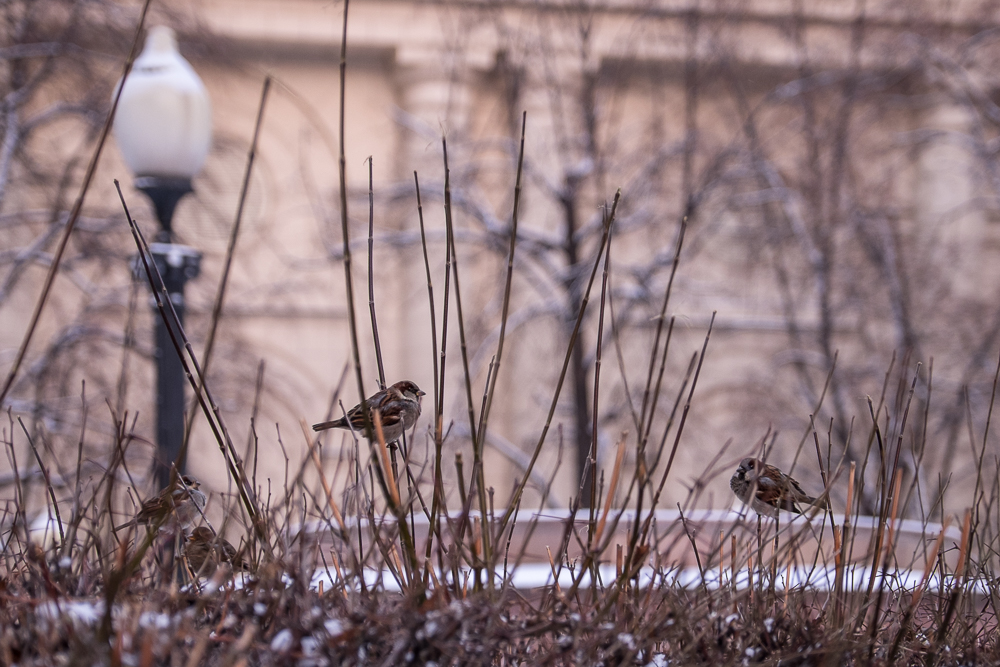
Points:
x=371, y=274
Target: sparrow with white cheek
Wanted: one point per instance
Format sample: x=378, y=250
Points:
x=182, y=500
x=766, y=489
x=398, y=405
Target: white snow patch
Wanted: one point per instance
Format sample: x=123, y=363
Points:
x=310, y=646
x=283, y=641
x=334, y=627
x=152, y=619
x=80, y=613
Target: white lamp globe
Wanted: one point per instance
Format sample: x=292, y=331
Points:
x=163, y=124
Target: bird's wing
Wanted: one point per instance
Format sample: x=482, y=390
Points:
x=354, y=418
x=376, y=401
x=796, y=489
x=804, y=498
x=768, y=491
x=226, y=550
x=775, y=494
x=392, y=411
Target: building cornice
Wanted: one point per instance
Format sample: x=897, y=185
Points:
x=425, y=32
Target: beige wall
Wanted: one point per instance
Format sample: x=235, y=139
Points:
x=419, y=69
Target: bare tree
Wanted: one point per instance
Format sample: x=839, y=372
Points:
x=816, y=185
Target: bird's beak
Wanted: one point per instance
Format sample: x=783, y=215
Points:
x=421, y=392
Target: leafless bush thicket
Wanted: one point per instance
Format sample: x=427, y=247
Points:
x=416, y=561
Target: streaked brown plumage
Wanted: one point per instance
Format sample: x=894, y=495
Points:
x=398, y=405
x=183, y=501
x=204, y=551
x=772, y=489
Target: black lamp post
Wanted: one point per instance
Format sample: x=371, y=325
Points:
x=176, y=264
x=164, y=128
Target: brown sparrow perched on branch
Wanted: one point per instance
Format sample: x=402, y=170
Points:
x=772, y=489
x=205, y=550
x=182, y=499
x=398, y=405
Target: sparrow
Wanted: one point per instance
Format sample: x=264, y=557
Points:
x=182, y=499
x=204, y=551
x=398, y=405
x=772, y=489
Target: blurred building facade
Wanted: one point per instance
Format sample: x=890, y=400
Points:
x=834, y=161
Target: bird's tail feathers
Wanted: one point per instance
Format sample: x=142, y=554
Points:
x=822, y=503
x=322, y=426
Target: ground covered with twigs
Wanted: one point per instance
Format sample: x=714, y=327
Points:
x=67, y=606
x=281, y=623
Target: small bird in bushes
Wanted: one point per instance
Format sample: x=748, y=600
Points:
x=771, y=489
x=204, y=551
x=398, y=405
x=182, y=499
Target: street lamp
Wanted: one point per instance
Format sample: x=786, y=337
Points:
x=163, y=127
